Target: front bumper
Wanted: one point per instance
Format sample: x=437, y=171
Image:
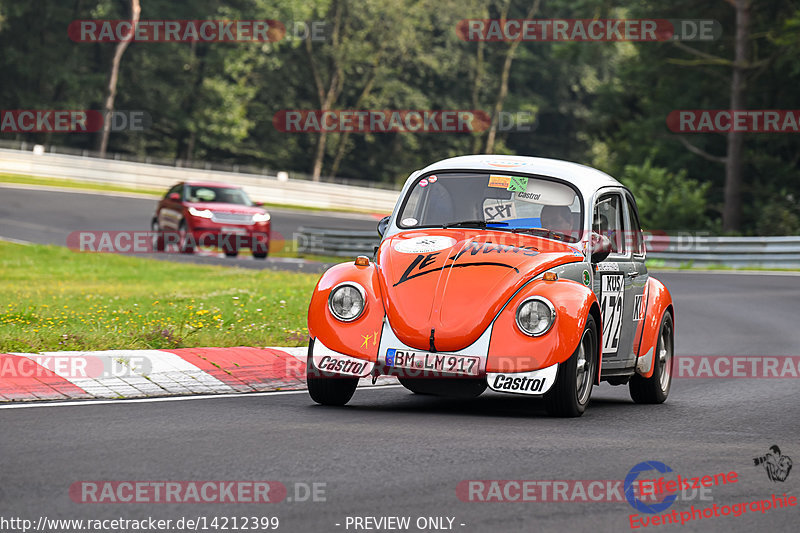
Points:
x=324, y=361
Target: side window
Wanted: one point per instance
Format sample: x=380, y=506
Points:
x=633, y=237
x=177, y=188
x=608, y=221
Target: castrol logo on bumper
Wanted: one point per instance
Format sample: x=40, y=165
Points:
x=330, y=361
x=535, y=382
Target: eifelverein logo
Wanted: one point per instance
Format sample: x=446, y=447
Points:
x=777, y=466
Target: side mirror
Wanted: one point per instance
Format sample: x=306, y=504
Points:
x=258, y=204
x=382, y=225
x=175, y=197
x=601, y=247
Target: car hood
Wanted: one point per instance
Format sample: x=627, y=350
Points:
x=448, y=285
x=219, y=207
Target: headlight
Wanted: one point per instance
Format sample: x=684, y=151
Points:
x=535, y=316
x=346, y=301
x=202, y=213
x=261, y=217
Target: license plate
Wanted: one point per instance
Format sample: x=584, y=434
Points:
x=234, y=231
x=434, y=362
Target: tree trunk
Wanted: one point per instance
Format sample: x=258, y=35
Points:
x=111, y=90
x=326, y=99
x=731, y=213
x=503, y=91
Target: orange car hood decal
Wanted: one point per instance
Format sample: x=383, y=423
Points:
x=442, y=288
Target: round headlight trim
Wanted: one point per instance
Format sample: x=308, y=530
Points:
x=551, y=314
x=333, y=306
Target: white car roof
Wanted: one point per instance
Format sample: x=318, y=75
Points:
x=586, y=179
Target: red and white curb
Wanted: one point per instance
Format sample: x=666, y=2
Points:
x=117, y=374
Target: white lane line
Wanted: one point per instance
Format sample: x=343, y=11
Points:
x=171, y=398
x=16, y=241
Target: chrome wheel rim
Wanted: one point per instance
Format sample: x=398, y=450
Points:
x=583, y=371
x=665, y=357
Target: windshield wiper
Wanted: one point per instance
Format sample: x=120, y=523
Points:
x=547, y=233
x=472, y=224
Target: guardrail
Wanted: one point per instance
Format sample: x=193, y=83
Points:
x=678, y=250
x=160, y=177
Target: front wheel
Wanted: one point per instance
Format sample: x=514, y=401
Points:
x=570, y=394
x=327, y=389
x=655, y=389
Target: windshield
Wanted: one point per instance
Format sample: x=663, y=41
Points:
x=223, y=195
x=494, y=201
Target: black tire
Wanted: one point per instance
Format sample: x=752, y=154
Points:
x=328, y=389
x=260, y=250
x=184, y=245
x=231, y=253
x=451, y=387
x=158, y=237
x=655, y=389
x=566, y=398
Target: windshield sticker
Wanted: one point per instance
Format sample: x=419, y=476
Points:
x=205, y=195
x=496, y=211
x=518, y=184
x=500, y=182
x=545, y=193
x=423, y=182
x=424, y=245
x=410, y=221
x=432, y=179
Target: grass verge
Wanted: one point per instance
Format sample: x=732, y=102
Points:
x=56, y=299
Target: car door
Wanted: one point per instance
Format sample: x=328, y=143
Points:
x=635, y=242
x=171, y=211
x=615, y=280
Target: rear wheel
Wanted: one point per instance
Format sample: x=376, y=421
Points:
x=185, y=240
x=570, y=394
x=231, y=253
x=655, y=389
x=158, y=236
x=328, y=389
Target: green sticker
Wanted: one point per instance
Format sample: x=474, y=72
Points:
x=586, y=278
x=518, y=184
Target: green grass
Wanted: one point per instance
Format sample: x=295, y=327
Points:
x=52, y=298
x=74, y=184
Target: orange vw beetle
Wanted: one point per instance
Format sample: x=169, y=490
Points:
x=520, y=274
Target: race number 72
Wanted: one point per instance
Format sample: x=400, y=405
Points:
x=611, y=294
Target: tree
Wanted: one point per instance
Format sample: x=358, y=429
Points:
x=113, y=75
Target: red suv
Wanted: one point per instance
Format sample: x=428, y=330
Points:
x=208, y=214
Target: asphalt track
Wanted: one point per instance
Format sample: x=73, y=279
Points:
x=48, y=217
x=390, y=453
